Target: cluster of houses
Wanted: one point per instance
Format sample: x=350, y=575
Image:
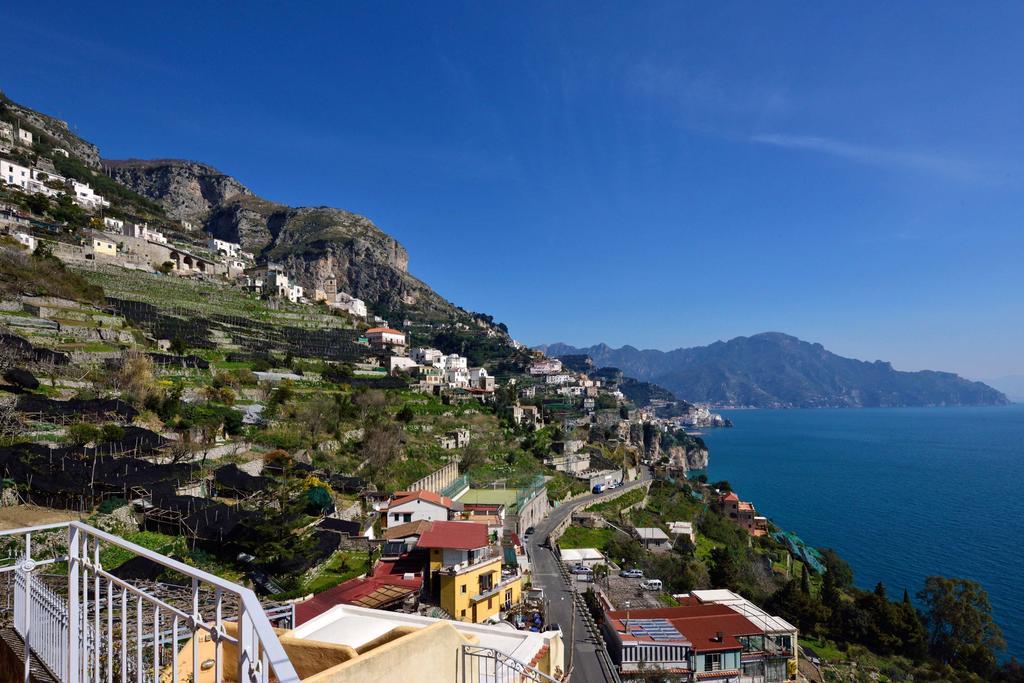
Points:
x=432, y=368
x=47, y=182
x=462, y=555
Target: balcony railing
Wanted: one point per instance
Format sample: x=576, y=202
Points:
x=90, y=625
x=487, y=665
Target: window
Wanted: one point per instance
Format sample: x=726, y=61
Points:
x=508, y=598
x=713, y=662
x=408, y=517
x=463, y=613
x=463, y=588
x=490, y=603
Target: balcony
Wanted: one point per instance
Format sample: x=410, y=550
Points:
x=82, y=623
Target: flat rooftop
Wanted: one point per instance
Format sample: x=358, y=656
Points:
x=356, y=626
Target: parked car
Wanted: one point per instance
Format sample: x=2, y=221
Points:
x=632, y=573
x=529, y=532
x=651, y=585
x=598, y=488
x=580, y=569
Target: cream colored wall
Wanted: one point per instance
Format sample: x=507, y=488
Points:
x=430, y=655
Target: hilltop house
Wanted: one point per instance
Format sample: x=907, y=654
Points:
x=223, y=247
x=545, y=366
x=418, y=505
x=27, y=240
x=425, y=356
x=385, y=336
x=743, y=513
x=652, y=538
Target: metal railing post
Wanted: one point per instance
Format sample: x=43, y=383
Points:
x=74, y=555
x=26, y=567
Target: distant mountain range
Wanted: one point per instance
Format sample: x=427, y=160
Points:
x=774, y=370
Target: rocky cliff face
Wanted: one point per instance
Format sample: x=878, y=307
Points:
x=56, y=129
x=187, y=190
x=691, y=458
x=312, y=243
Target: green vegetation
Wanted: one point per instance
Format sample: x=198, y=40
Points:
x=582, y=537
x=40, y=274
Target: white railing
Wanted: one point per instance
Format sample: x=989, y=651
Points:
x=46, y=619
x=488, y=665
x=106, y=629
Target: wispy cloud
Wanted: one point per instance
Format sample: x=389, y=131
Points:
x=948, y=167
x=702, y=95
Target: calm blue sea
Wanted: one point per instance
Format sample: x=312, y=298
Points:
x=901, y=493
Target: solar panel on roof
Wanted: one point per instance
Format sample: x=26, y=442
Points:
x=655, y=629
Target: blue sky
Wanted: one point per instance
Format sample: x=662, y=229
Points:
x=657, y=174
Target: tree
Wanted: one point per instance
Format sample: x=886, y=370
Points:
x=136, y=377
x=805, y=580
x=960, y=628
x=382, y=445
x=684, y=546
x=725, y=568
x=842, y=574
x=405, y=414
x=178, y=346
x=83, y=433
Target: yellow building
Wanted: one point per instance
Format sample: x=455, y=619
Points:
x=465, y=576
x=476, y=593
x=103, y=247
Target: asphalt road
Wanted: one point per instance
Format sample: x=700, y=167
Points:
x=581, y=647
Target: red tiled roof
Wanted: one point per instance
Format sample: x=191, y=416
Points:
x=731, y=497
x=402, y=497
x=384, y=329
x=454, y=535
x=698, y=623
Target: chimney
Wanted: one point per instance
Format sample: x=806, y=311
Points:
x=719, y=637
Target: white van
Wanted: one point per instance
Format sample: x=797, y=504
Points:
x=651, y=585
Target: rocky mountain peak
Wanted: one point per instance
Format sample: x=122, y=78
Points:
x=188, y=190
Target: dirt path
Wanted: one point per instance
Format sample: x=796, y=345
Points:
x=16, y=516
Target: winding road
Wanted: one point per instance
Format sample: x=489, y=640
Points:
x=584, y=653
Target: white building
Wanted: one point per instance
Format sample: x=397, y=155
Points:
x=295, y=293
x=652, y=537
x=26, y=239
x=588, y=557
x=385, y=336
x=683, y=529
x=223, y=247
x=559, y=379
x=142, y=232
x=114, y=224
x=417, y=505
x=400, y=363
x=15, y=174
x=24, y=137
x=86, y=197
x=352, y=305
x=455, y=362
x=545, y=366
x=427, y=356
x=479, y=379
x=456, y=377
x=6, y=131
